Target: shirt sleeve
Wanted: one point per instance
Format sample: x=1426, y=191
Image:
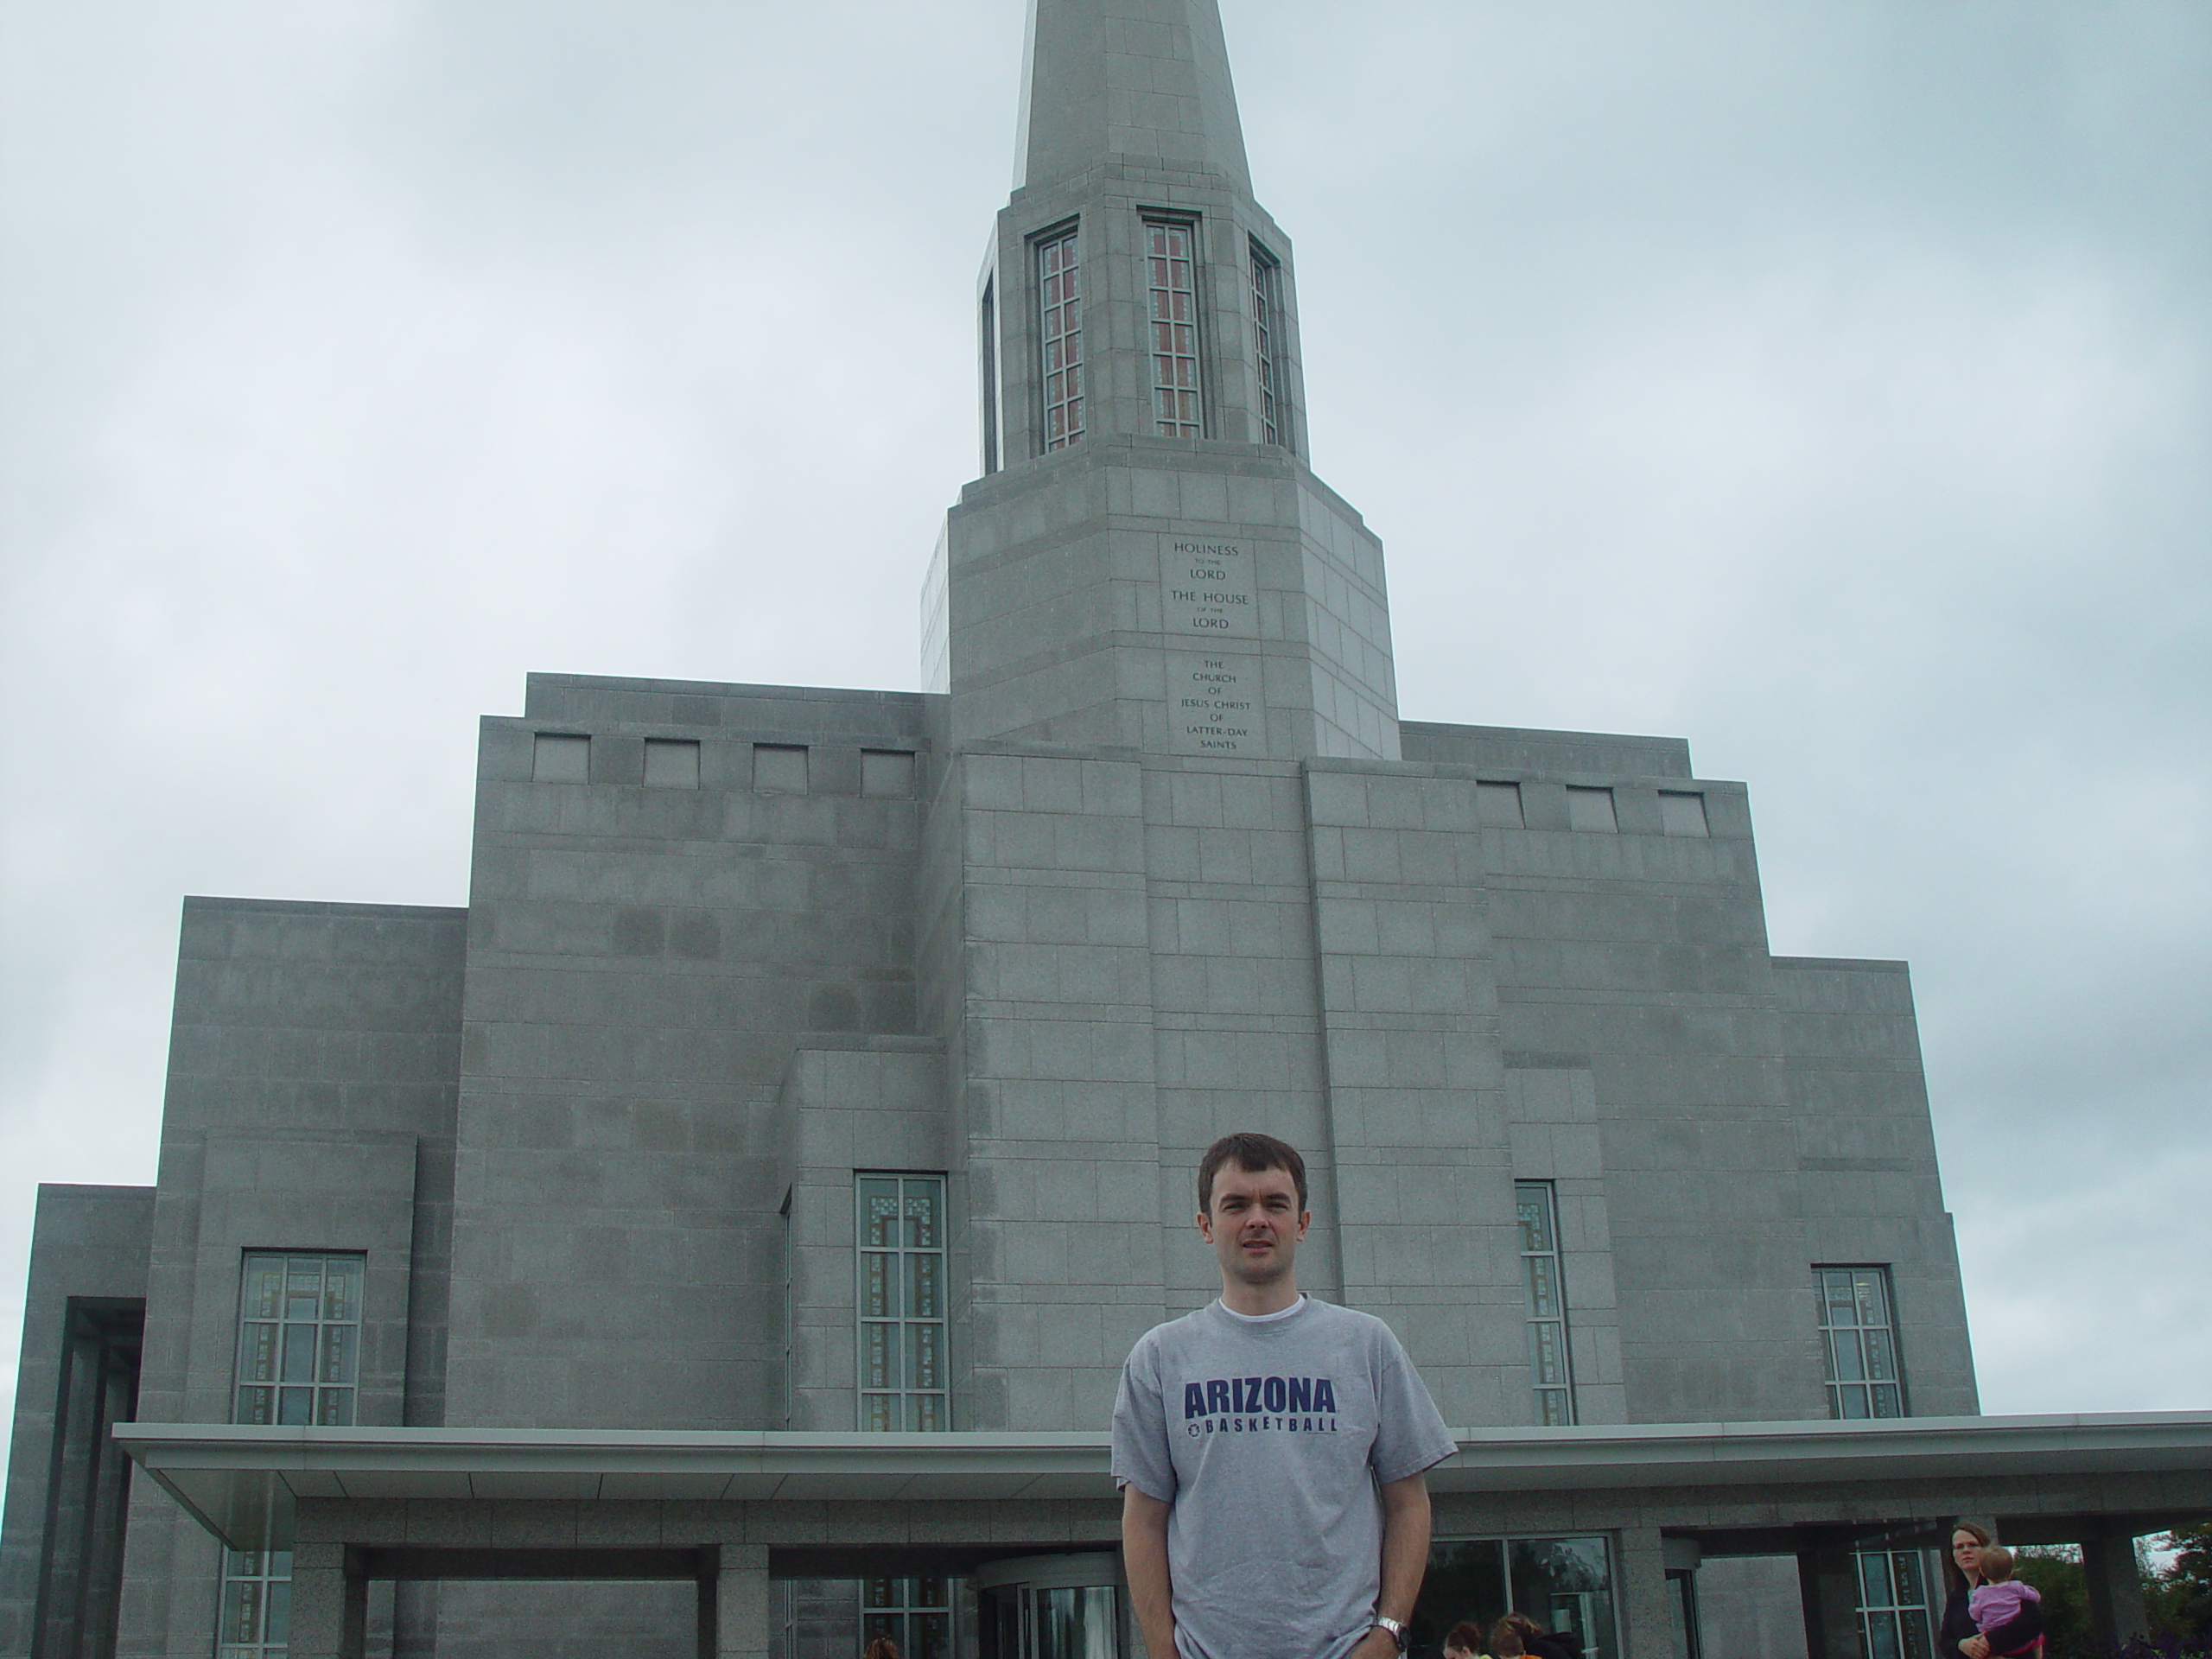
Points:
x=1410, y=1435
x=1142, y=1458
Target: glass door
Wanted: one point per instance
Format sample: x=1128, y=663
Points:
x=1052, y=1607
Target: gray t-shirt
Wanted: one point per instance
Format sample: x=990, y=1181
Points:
x=1268, y=1437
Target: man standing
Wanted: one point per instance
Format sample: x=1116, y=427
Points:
x=1270, y=1449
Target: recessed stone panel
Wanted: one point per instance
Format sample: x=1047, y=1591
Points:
x=1208, y=587
x=1213, y=704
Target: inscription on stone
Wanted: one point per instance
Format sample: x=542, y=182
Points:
x=1207, y=589
x=1213, y=704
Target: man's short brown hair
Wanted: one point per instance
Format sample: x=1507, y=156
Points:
x=1253, y=1153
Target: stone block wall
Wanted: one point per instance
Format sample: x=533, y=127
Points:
x=313, y=1070
x=651, y=933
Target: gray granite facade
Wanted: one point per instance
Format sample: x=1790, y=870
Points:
x=1152, y=857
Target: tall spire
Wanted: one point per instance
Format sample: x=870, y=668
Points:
x=1147, y=564
x=1144, y=80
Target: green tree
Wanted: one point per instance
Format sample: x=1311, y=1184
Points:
x=2179, y=1599
x=2055, y=1571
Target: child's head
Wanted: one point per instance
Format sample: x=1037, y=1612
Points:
x=1509, y=1638
x=1996, y=1564
x=1466, y=1637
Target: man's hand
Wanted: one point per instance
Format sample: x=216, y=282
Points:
x=1144, y=1558
x=1377, y=1643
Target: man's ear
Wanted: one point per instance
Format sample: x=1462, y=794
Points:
x=1205, y=1226
x=1305, y=1220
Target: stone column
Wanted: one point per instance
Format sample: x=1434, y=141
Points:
x=2116, y=1610
x=1828, y=1587
x=330, y=1603
x=739, y=1603
x=1647, y=1628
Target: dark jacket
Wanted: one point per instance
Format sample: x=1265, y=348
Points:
x=1958, y=1626
x=1555, y=1644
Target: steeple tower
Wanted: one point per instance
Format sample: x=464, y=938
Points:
x=1144, y=80
x=1147, y=564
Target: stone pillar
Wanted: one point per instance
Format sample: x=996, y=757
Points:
x=739, y=1603
x=1827, y=1588
x=1647, y=1626
x=2116, y=1610
x=330, y=1603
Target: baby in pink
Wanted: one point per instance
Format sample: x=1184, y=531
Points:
x=2000, y=1598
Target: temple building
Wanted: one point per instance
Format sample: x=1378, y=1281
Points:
x=722, y=1236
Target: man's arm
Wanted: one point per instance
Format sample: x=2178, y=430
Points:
x=1405, y=1558
x=1144, y=1558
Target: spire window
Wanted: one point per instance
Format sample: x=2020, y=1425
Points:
x=1172, y=281
x=1266, y=330
x=988, y=327
x=1060, y=296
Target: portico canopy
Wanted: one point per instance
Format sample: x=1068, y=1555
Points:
x=243, y=1483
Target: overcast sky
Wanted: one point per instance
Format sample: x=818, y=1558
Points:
x=1830, y=383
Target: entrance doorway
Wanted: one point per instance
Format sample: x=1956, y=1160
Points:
x=1053, y=1607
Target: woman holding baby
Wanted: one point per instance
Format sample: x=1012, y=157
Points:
x=1989, y=1614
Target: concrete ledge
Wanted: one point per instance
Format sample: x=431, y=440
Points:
x=242, y=1482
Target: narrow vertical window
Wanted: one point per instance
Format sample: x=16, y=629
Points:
x=789, y=1249
x=902, y=1303
x=1059, y=300
x=915, y=1614
x=299, y=1339
x=1893, y=1612
x=1172, y=284
x=256, y=1620
x=1859, y=1342
x=1550, y=1375
x=988, y=325
x=299, y=1360
x=1267, y=332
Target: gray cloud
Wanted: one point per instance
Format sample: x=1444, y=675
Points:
x=1830, y=384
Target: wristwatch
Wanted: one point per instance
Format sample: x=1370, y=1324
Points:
x=1397, y=1630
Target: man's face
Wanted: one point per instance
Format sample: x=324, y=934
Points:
x=1254, y=1224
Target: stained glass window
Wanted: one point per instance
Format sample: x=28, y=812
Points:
x=1171, y=282
x=299, y=1362
x=256, y=1617
x=916, y=1613
x=1267, y=339
x=902, y=1364
x=1859, y=1342
x=1893, y=1612
x=299, y=1339
x=1059, y=299
x=1550, y=1374
x=988, y=327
